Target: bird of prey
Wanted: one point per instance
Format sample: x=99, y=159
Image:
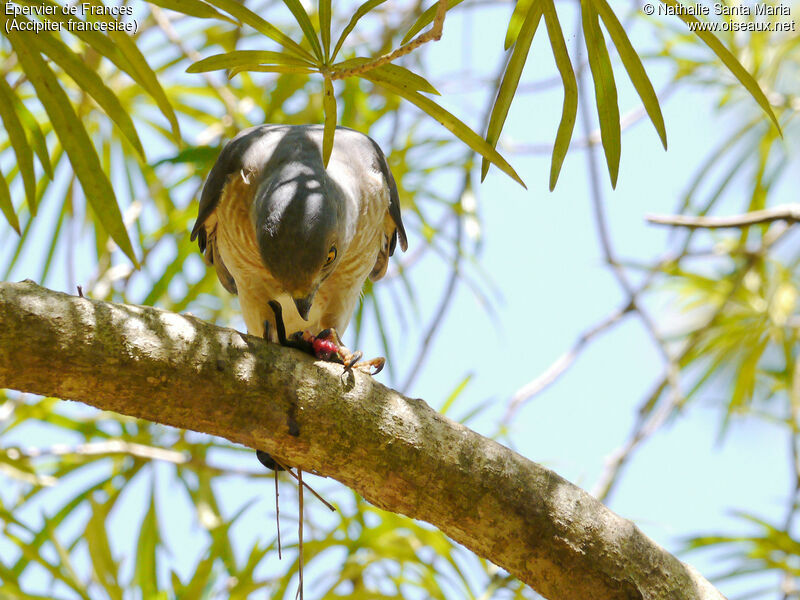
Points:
x=280, y=227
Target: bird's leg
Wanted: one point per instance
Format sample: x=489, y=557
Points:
x=264, y=458
x=296, y=339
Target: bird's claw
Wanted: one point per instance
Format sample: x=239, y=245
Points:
x=327, y=346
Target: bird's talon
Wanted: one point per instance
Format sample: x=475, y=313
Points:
x=378, y=364
x=353, y=360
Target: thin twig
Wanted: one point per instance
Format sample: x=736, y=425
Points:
x=444, y=303
x=605, y=238
x=786, y=212
x=561, y=364
x=558, y=367
x=433, y=34
x=648, y=421
x=631, y=304
x=455, y=274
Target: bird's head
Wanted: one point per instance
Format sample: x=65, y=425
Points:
x=300, y=218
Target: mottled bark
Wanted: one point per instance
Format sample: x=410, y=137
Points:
x=397, y=452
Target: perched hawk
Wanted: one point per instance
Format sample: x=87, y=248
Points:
x=279, y=226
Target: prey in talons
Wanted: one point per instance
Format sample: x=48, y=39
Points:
x=326, y=345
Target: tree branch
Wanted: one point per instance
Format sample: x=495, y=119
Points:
x=788, y=212
x=397, y=452
x=434, y=34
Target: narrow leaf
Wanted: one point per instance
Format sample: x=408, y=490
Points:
x=605, y=90
x=90, y=82
x=449, y=121
x=139, y=67
x=569, y=109
x=193, y=8
x=633, y=65
x=329, y=105
x=111, y=49
x=427, y=18
x=96, y=186
x=248, y=17
x=37, y=138
x=54, y=236
x=6, y=206
x=325, y=26
x=728, y=59
x=455, y=394
x=269, y=69
x=145, y=575
x=405, y=78
x=241, y=58
x=515, y=22
x=103, y=563
x=301, y=16
x=360, y=12
x=398, y=75
x=511, y=77
x=19, y=141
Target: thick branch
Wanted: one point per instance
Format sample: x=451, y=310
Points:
x=788, y=212
x=397, y=452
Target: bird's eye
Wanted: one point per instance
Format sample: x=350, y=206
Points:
x=331, y=256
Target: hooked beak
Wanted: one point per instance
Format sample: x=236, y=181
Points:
x=304, y=305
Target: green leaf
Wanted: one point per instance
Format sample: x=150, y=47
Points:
x=633, y=65
x=54, y=236
x=449, y=121
x=515, y=22
x=76, y=142
x=30, y=553
x=111, y=49
x=426, y=18
x=248, y=17
x=605, y=90
x=455, y=394
x=362, y=10
x=145, y=575
x=6, y=205
x=728, y=59
x=193, y=8
x=37, y=138
x=569, y=109
x=408, y=79
x=19, y=141
x=42, y=186
x=245, y=58
x=201, y=578
x=201, y=157
x=103, y=563
x=325, y=26
x=301, y=16
x=140, y=70
x=329, y=106
x=511, y=76
x=269, y=69
x=398, y=75
x=90, y=82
